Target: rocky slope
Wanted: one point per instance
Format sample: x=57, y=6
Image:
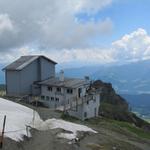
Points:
x=113, y=106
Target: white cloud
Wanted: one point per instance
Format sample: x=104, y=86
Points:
x=61, y=35
x=8, y=33
x=91, y=6
x=50, y=24
x=83, y=56
x=5, y=23
x=133, y=46
x=93, y=56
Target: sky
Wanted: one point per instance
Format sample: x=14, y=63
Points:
x=75, y=32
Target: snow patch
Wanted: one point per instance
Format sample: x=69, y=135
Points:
x=19, y=116
x=68, y=126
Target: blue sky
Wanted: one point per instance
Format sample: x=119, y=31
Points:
x=81, y=32
x=126, y=15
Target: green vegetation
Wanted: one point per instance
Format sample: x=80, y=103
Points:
x=120, y=126
x=148, y=120
x=115, y=112
x=138, y=131
x=114, y=107
x=68, y=118
x=2, y=90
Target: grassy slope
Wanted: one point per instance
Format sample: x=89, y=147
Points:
x=148, y=120
x=112, y=133
x=2, y=90
x=122, y=126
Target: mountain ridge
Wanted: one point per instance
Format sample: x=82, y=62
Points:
x=131, y=78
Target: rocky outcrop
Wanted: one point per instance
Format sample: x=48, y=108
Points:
x=113, y=106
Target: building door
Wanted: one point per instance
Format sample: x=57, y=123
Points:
x=79, y=92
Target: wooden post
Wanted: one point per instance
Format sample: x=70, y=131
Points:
x=27, y=130
x=2, y=136
x=33, y=119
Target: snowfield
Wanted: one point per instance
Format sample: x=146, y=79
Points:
x=68, y=126
x=19, y=116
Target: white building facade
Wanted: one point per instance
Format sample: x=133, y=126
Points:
x=71, y=96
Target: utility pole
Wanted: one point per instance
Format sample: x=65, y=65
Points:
x=2, y=136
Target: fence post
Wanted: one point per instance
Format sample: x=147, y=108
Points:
x=2, y=136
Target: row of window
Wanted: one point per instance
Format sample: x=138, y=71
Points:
x=58, y=89
x=47, y=98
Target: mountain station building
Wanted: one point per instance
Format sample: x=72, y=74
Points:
x=34, y=76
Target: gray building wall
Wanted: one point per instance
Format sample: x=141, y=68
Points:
x=76, y=112
x=12, y=83
x=27, y=76
x=19, y=83
x=36, y=90
x=47, y=69
x=63, y=96
x=91, y=109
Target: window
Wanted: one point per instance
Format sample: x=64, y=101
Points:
x=47, y=98
x=49, y=88
x=57, y=99
x=85, y=114
x=79, y=92
x=42, y=97
x=69, y=91
x=87, y=102
x=94, y=98
x=52, y=98
x=58, y=89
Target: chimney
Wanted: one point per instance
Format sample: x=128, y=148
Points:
x=61, y=76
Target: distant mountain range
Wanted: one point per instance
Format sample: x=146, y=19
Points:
x=140, y=104
x=132, y=78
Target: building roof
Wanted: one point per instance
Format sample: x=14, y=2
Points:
x=68, y=82
x=24, y=61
